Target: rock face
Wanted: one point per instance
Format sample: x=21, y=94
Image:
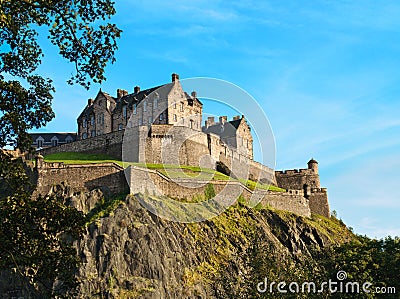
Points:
x=132, y=253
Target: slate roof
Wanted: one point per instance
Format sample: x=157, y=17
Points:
x=228, y=129
x=48, y=136
x=133, y=98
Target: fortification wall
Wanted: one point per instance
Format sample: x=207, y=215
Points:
x=81, y=177
x=296, y=179
x=108, y=144
x=319, y=204
x=152, y=182
x=293, y=201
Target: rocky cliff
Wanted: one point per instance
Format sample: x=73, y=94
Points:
x=128, y=252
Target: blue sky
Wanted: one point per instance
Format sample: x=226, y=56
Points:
x=326, y=74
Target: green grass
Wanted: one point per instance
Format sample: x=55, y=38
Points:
x=80, y=158
x=171, y=171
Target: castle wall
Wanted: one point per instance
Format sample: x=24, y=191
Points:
x=154, y=183
x=108, y=144
x=296, y=179
x=318, y=199
x=293, y=201
x=81, y=177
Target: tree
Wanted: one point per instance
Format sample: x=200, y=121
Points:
x=33, y=231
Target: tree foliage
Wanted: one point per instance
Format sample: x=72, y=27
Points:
x=36, y=233
x=76, y=28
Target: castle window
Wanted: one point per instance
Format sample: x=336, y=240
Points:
x=124, y=111
x=150, y=120
x=92, y=120
x=161, y=117
x=84, y=122
x=191, y=123
x=144, y=106
x=182, y=120
x=174, y=105
x=181, y=107
x=84, y=135
x=134, y=108
x=93, y=133
x=120, y=127
x=140, y=122
x=175, y=117
x=102, y=118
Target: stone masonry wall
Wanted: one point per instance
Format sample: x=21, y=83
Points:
x=81, y=177
x=296, y=179
x=152, y=182
x=319, y=204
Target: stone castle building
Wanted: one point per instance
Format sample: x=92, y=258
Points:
x=163, y=125
x=167, y=104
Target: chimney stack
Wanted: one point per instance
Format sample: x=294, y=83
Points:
x=175, y=77
x=209, y=121
x=236, y=117
x=223, y=119
x=121, y=93
x=90, y=102
x=194, y=94
x=137, y=89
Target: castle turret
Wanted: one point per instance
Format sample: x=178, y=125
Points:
x=313, y=164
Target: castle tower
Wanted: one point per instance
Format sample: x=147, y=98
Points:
x=313, y=164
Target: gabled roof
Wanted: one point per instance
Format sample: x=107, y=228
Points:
x=48, y=137
x=189, y=97
x=136, y=98
x=228, y=129
x=89, y=109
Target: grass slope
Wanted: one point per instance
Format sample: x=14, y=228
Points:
x=171, y=171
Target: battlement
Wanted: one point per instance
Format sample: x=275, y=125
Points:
x=294, y=171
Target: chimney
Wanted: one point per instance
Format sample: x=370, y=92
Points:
x=137, y=89
x=223, y=119
x=90, y=102
x=175, y=77
x=194, y=94
x=236, y=117
x=121, y=93
x=209, y=121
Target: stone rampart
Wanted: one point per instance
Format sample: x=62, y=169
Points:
x=297, y=179
x=154, y=183
x=81, y=177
